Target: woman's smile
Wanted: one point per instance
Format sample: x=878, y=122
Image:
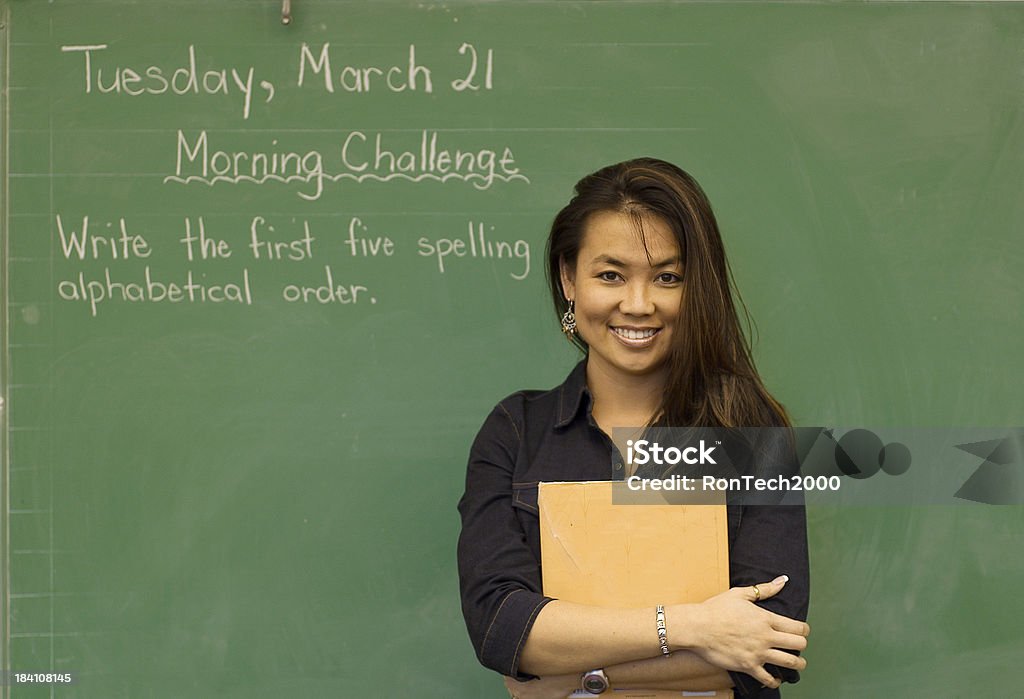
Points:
x=635, y=337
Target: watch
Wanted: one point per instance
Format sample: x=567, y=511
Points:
x=595, y=681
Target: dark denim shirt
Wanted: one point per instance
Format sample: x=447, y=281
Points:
x=534, y=436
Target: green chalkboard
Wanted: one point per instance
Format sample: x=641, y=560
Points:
x=262, y=283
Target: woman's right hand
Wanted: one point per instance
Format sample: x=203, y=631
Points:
x=733, y=633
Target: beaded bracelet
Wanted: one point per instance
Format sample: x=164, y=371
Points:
x=662, y=631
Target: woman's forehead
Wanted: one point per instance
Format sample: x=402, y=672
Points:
x=626, y=238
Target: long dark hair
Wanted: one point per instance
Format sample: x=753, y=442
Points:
x=712, y=380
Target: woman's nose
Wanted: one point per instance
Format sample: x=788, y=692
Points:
x=638, y=300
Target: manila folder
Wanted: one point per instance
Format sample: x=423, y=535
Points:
x=631, y=555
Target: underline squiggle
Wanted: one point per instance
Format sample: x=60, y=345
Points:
x=235, y=179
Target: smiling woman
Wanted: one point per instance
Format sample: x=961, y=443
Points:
x=639, y=278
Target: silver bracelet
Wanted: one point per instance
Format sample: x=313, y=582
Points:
x=662, y=631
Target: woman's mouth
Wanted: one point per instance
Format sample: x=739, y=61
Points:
x=635, y=337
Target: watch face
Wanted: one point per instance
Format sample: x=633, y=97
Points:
x=595, y=684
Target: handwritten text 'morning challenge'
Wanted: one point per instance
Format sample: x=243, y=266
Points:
x=359, y=157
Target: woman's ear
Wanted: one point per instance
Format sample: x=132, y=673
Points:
x=568, y=275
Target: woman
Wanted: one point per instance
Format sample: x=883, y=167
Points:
x=639, y=278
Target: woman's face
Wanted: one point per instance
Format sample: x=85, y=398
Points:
x=627, y=298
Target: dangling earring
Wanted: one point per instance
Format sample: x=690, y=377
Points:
x=569, y=321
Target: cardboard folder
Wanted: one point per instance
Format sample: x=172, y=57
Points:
x=598, y=552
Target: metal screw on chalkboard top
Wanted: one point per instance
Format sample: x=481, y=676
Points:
x=286, y=12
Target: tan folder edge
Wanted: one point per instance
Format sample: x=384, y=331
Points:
x=631, y=555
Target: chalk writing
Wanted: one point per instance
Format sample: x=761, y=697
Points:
x=94, y=291
x=107, y=263
x=367, y=246
x=476, y=244
x=159, y=80
x=469, y=82
x=267, y=242
x=295, y=250
x=410, y=76
x=82, y=244
x=106, y=75
x=328, y=292
x=209, y=247
x=196, y=161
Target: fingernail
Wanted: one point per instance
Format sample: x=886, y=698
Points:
x=782, y=579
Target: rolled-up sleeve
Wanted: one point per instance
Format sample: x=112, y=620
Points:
x=499, y=575
x=772, y=541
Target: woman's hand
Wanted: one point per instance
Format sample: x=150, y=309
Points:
x=553, y=687
x=735, y=634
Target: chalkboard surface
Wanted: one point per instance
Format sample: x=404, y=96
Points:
x=263, y=283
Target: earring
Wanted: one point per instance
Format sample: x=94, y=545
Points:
x=569, y=321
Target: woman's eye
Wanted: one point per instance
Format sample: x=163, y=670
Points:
x=608, y=276
x=669, y=278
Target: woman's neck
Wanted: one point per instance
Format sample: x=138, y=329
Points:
x=623, y=400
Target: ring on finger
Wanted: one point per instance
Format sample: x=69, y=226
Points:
x=757, y=594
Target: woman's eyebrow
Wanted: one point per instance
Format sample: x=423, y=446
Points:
x=608, y=260
x=669, y=262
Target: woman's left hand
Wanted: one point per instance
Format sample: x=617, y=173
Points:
x=553, y=687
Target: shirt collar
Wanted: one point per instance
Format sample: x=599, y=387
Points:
x=571, y=395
